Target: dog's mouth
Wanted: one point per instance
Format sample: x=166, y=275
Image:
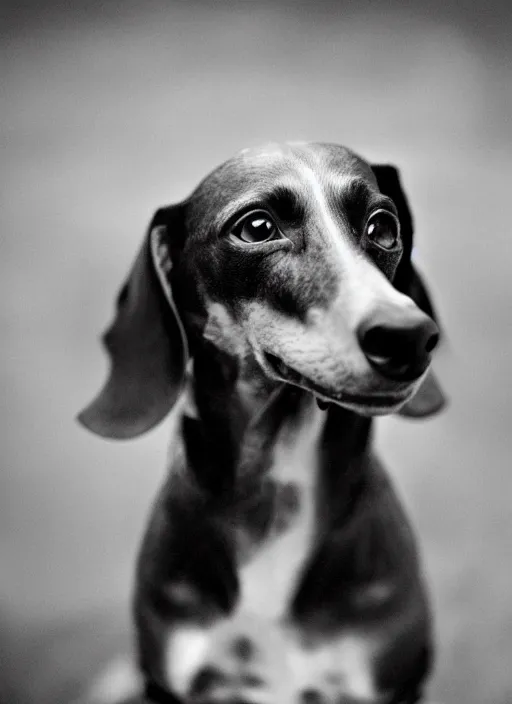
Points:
x=374, y=401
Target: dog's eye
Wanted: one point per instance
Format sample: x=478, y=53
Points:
x=382, y=229
x=255, y=228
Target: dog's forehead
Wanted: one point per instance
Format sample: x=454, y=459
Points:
x=258, y=169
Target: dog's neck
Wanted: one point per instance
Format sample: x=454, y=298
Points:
x=240, y=413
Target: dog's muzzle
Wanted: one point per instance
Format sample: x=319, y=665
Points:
x=398, y=347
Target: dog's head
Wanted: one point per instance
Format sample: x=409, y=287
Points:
x=299, y=257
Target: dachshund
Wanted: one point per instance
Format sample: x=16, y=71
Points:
x=278, y=310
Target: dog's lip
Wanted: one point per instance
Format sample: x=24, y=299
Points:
x=373, y=400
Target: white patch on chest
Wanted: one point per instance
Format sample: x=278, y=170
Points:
x=354, y=655
x=343, y=664
x=268, y=581
x=339, y=666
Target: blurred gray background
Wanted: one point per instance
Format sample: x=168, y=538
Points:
x=109, y=111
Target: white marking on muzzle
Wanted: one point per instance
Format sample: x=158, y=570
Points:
x=330, y=227
x=361, y=284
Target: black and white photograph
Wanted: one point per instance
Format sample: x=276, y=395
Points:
x=256, y=324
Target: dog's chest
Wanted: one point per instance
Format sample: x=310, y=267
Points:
x=269, y=576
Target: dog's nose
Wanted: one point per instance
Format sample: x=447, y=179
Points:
x=398, y=344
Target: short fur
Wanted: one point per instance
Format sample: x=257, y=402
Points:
x=278, y=565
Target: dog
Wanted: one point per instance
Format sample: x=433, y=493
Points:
x=279, y=309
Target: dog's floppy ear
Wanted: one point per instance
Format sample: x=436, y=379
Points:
x=429, y=398
x=146, y=342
